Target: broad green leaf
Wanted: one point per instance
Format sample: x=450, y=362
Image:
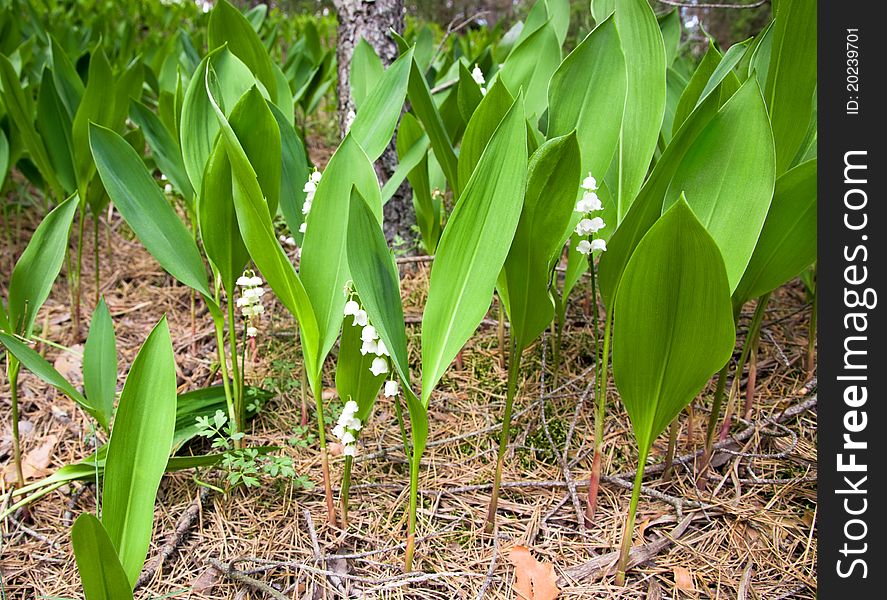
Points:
x=424, y=108
x=4, y=157
x=791, y=78
x=101, y=573
x=54, y=126
x=40, y=367
x=670, y=25
x=228, y=26
x=728, y=176
x=473, y=248
x=199, y=126
x=21, y=111
x=554, y=170
x=366, y=71
x=486, y=118
x=324, y=262
x=787, y=243
x=100, y=362
x=529, y=68
x=692, y=95
x=67, y=81
x=164, y=148
x=673, y=322
x=38, y=267
x=586, y=94
x=139, y=449
x=468, y=94
x=559, y=15
x=144, y=207
x=284, y=101
x=644, y=53
x=408, y=159
x=601, y=9
x=723, y=73
x=293, y=174
x=411, y=140
x=377, y=117
x=257, y=231
x=96, y=107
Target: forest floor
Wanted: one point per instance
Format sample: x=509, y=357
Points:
x=751, y=534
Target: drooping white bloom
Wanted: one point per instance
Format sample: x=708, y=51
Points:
x=360, y=318
x=478, y=75
x=251, y=331
x=339, y=431
x=350, y=450
x=310, y=186
x=369, y=347
x=350, y=408
x=598, y=244
x=589, y=183
x=369, y=334
x=589, y=226
x=354, y=424
x=381, y=348
x=250, y=300
x=583, y=247
x=315, y=176
x=243, y=280
x=379, y=366
x=168, y=188
x=303, y=227
x=391, y=388
x=348, y=438
x=351, y=308
x=588, y=203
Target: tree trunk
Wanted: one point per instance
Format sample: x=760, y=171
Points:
x=372, y=20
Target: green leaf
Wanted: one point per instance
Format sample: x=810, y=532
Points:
x=473, y=248
x=425, y=109
x=601, y=9
x=101, y=573
x=673, y=322
x=787, y=244
x=4, y=157
x=40, y=367
x=486, y=118
x=412, y=140
x=54, y=126
x=228, y=26
x=586, y=94
x=100, y=362
x=199, y=126
x=723, y=75
x=468, y=94
x=644, y=99
x=791, y=78
x=293, y=175
x=374, y=123
x=692, y=95
x=548, y=206
x=20, y=109
x=164, y=148
x=670, y=25
x=96, y=107
x=145, y=209
x=139, y=449
x=324, y=262
x=257, y=231
x=38, y=267
x=67, y=81
x=366, y=71
x=530, y=66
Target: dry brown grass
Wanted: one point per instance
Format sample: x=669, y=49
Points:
x=756, y=540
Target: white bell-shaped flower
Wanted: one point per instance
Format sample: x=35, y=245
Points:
x=351, y=308
x=369, y=347
x=583, y=247
x=379, y=366
x=350, y=407
x=369, y=334
x=382, y=349
x=350, y=450
x=478, y=75
x=391, y=388
x=360, y=318
x=589, y=203
x=348, y=438
x=589, y=226
x=598, y=244
x=589, y=183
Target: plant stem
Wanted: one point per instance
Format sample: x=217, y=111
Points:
x=558, y=337
x=669, y=455
x=751, y=338
x=236, y=381
x=501, y=332
x=398, y=411
x=78, y=270
x=95, y=257
x=595, y=477
x=346, y=487
x=411, y=525
x=712, y=427
x=514, y=360
x=628, y=532
x=325, y=461
x=600, y=408
x=219, y=325
x=12, y=370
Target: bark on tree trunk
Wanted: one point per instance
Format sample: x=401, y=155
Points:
x=372, y=20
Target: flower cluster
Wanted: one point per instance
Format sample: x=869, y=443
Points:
x=310, y=189
x=288, y=240
x=478, y=77
x=371, y=343
x=588, y=225
x=250, y=301
x=347, y=426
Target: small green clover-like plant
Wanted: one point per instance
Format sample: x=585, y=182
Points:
x=303, y=437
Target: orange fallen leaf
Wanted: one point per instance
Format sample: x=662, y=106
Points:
x=532, y=580
x=683, y=579
x=36, y=462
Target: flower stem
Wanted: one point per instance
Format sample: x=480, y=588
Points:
x=95, y=257
x=669, y=455
x=346, y=487
x=501, y=334
x=12, y=370
x=628, y=532
x=411, y=525
x=514, y=359
x=398, y=411
x=324, y=457
x=219, y=325
x=236, y=381
x=78, y=270
x=712, y=427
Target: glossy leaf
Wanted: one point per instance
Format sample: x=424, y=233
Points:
x=673, y=322
x=54, y=125
x=139, y=449
x=691, y=97
x=473, y=248
x=486, y=118
x=424, y=108
x=164, y=148
x=100, y=362
x=146, y=210
x=366, y=71
x=551, y=192
x=96, y=107
x=293, y=174
x=101, y=573
x=787, y=244
x=228, y=26
x=38, y=267
x=529, y=68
